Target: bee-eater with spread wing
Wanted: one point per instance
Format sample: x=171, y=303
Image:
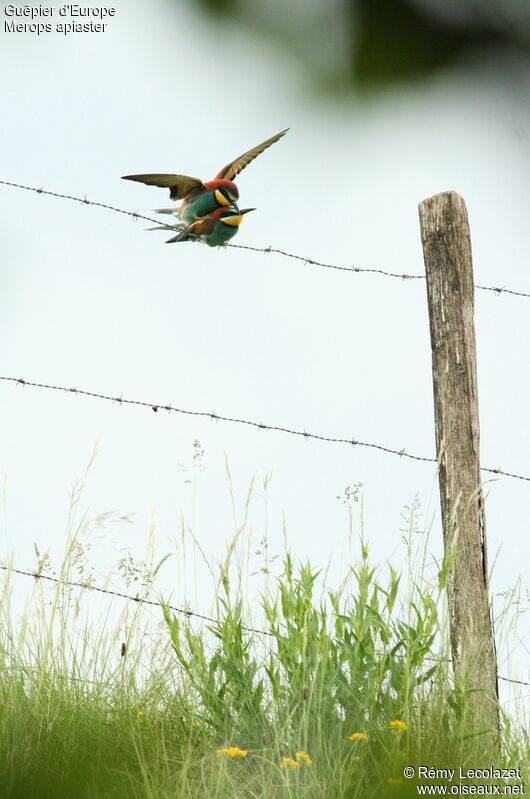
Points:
x=215, y=229
x=198, y=198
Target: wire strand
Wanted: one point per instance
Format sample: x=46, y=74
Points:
x=156, y=406
x=306, y=259
x=139, y=600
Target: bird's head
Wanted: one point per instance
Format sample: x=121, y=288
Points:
x=232, y=216
x=226, y=191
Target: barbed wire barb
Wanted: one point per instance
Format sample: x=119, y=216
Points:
x=306, y=259
x=402, y=453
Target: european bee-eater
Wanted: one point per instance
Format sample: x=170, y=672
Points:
x=198, y=198
x=215, y=229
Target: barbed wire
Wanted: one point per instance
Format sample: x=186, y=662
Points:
x=306, y=259
x=496, y=289
x=185, y=611
x=83, y=200
x=156, y=406
x=312, y=262
x=142, y=601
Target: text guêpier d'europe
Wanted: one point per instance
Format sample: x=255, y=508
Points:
x=41, y=16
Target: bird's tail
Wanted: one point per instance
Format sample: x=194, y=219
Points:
x=173, y=210
x=167, y=227
x=182, y=236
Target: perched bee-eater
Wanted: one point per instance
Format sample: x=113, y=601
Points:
x=215, y=229
x=198, y=198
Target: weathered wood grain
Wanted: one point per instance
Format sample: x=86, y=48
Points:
x=449, y=270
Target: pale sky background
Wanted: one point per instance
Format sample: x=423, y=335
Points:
x=89, y=299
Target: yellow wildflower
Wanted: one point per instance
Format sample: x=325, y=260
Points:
x=288, y=762
x=305, y=758
x=358, y=736
x=140, y=713
x=399, y=726
x=232, y=751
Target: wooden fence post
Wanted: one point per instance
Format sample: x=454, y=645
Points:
x=449, y=270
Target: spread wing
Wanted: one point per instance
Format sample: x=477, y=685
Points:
x=179, y=185
x=234, y=167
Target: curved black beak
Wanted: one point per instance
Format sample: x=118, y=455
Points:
x=246, y=210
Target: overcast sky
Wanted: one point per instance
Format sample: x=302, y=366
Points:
x=90, y=299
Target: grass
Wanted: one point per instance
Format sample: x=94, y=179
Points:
x=345, y=688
